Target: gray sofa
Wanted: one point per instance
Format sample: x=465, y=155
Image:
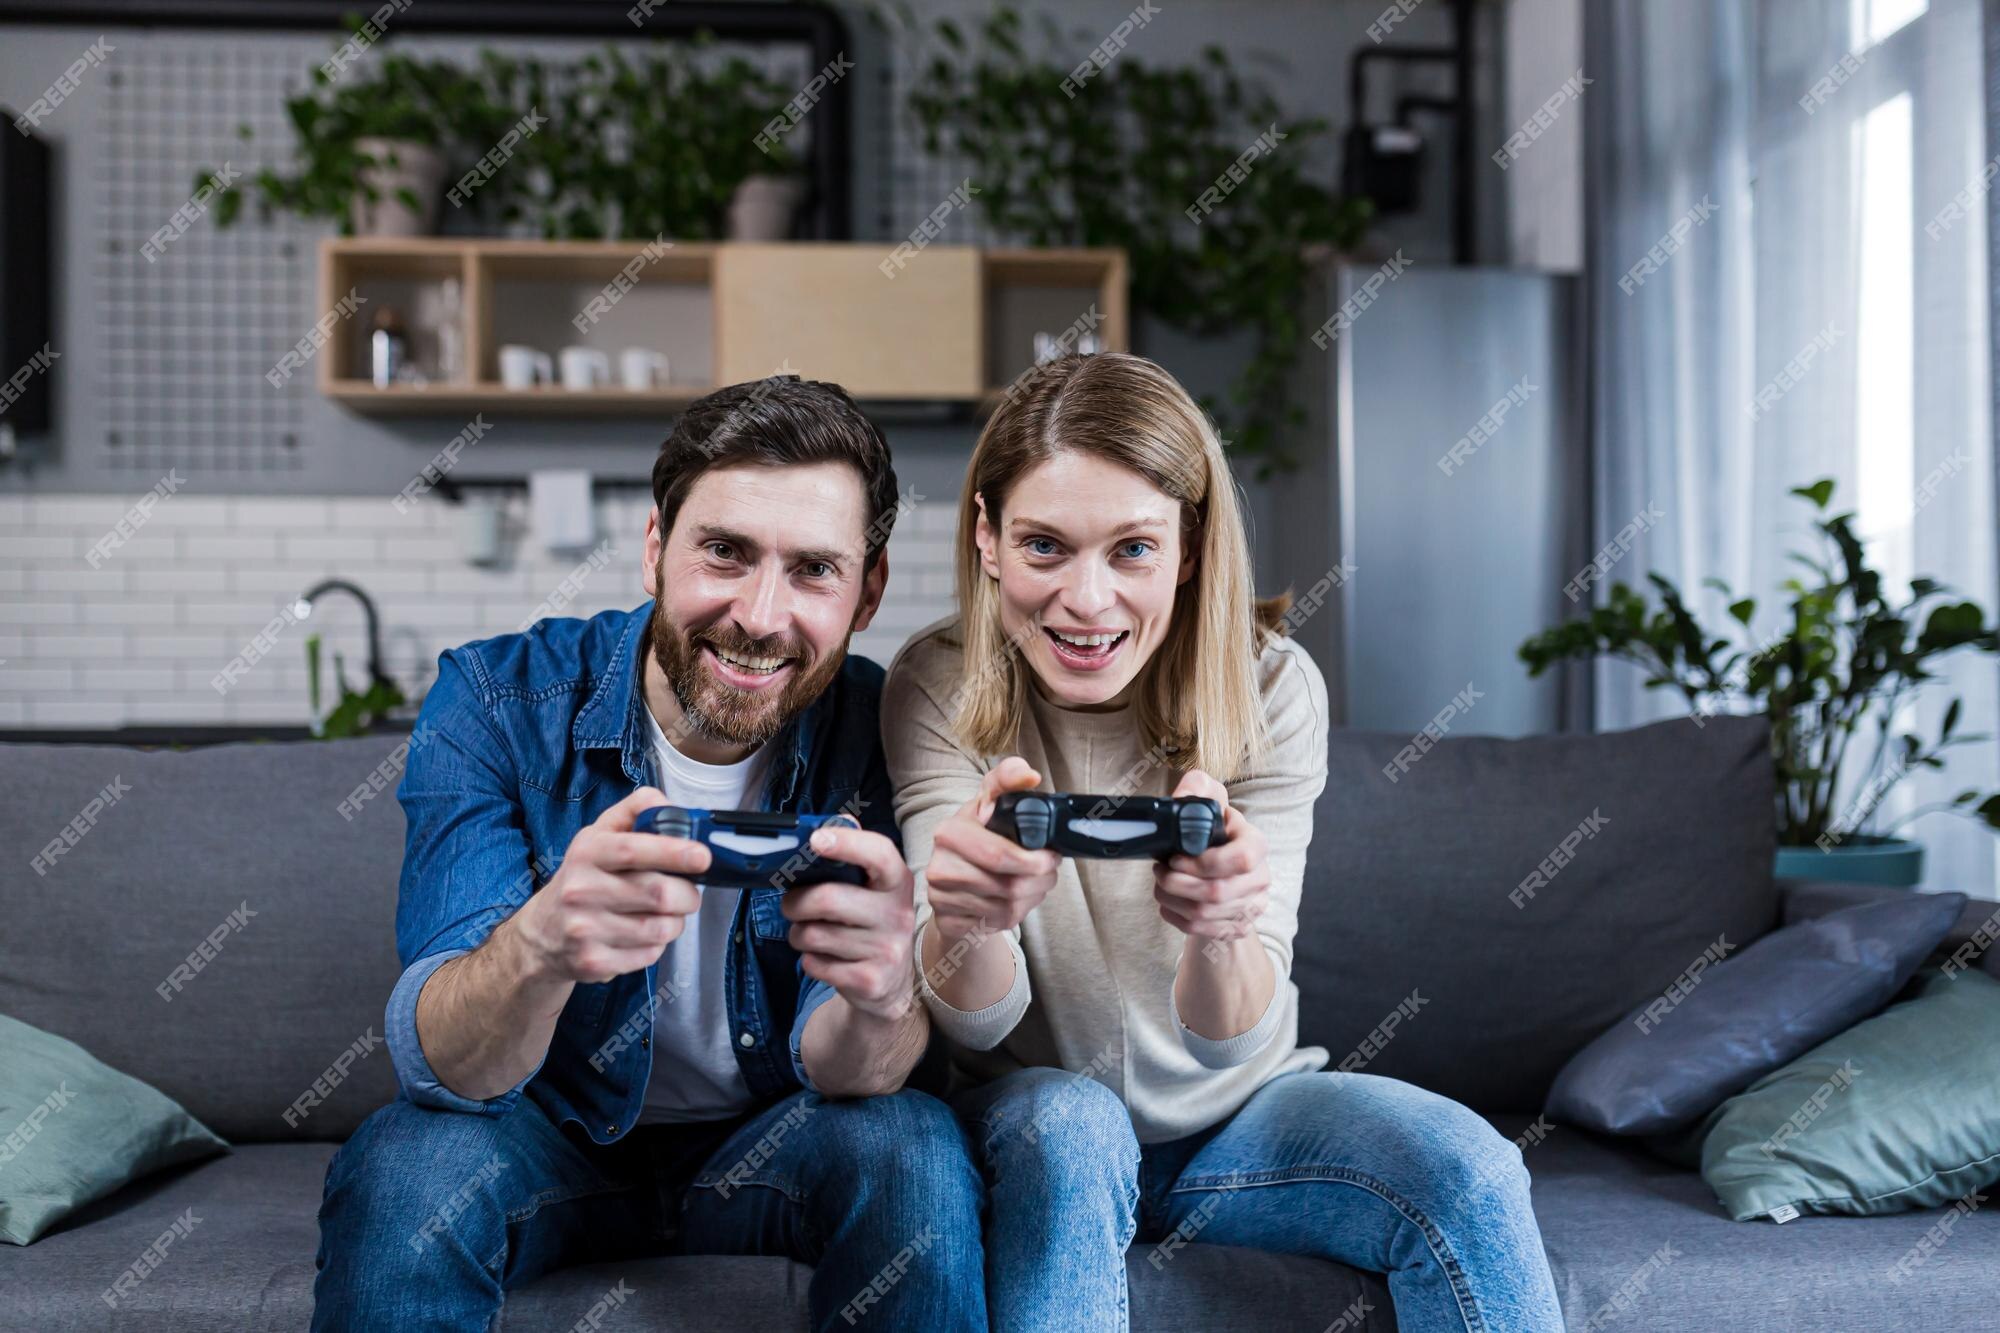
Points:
x=1409, y=891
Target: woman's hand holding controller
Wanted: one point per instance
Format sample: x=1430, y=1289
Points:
x=980, y=881
x=1221, y=893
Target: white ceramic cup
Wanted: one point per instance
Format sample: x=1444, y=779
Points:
x=642, y=368
x=584, y=368
x=524, y=367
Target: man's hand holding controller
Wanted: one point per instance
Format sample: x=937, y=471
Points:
x=616, y=902
x=621, y=897
x=856, y=937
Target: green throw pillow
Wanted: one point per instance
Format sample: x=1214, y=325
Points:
x=1901, y=1111
x=75, y=1129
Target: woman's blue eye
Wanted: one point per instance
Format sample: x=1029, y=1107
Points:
x=1041, y=546
x=1135, y=550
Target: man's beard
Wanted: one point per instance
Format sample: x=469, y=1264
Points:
x=719, y=711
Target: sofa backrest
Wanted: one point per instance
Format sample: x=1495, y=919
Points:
x=239, y=865
x=1476, y=921
x=1410, y=908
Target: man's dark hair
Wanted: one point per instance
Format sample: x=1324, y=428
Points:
x=779, y=420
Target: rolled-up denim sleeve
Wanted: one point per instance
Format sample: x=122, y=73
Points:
x=812, y=994
x=467, y=863
x=419, y=1082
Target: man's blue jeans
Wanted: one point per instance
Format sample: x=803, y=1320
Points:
x=1376, y=1173
x=431, y=1216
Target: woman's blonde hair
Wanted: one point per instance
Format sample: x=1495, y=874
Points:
x=1198, y=699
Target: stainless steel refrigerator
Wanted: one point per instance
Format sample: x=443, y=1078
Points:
x=1441, y=501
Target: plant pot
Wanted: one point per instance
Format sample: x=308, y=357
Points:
x=761, y=209
x=1895, y=862
x=402, y=164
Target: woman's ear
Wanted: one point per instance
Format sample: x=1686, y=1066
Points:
x=984, y=537
x=1190, y=549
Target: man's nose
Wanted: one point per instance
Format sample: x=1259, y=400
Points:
x=761, y=610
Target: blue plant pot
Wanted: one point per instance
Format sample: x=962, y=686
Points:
x=1895, y=862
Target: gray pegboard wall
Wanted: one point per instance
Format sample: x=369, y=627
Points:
x=164, y=359
x=189, y=329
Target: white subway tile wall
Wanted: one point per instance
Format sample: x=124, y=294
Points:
x=142, y=637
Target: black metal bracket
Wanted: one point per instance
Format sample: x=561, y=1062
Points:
x=1459, y=105
x=819, y=28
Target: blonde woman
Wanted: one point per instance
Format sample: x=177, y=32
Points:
x=1126, y=1032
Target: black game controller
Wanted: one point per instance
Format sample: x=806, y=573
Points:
x=1109, y=827
x=750, y=849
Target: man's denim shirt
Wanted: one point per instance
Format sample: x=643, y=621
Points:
x=526, y=739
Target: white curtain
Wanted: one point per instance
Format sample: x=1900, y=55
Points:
x=1781, y=290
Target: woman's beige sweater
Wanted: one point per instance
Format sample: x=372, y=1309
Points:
x=1095, y=963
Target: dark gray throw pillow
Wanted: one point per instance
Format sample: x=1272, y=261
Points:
x=1726, y=1020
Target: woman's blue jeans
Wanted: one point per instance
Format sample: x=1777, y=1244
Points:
x=1373, y=1172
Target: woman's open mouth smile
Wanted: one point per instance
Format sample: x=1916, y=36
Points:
x=1086, y=650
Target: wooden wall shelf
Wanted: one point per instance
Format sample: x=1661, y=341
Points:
x=954, y=324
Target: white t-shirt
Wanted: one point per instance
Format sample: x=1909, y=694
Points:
x=695, y=1074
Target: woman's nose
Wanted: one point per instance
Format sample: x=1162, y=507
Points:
x=1088, y=594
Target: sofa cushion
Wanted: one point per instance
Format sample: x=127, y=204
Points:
x=1680, y=1055
x=241, y=1257
x=236, y=865
x=248, y=1263
x=1639, y=1246
x=1474, y=922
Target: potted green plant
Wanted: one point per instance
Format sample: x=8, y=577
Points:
x=620, y=146
x=352, y=714
x=1845, y=663
x=1194, y=170
x=372, y=149
x=646, y=145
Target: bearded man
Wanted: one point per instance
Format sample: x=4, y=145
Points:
x=600, y=1057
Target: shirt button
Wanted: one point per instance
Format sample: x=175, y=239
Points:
x=612, y=1130
x=645, y=1041
x=739, y=937
x=746, y=1040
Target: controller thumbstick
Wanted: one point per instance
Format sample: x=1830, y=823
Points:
x=1198, y=827
x=1032, y=819
x=673, y=823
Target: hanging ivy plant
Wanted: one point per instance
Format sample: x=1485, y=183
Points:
x=1121, y=162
